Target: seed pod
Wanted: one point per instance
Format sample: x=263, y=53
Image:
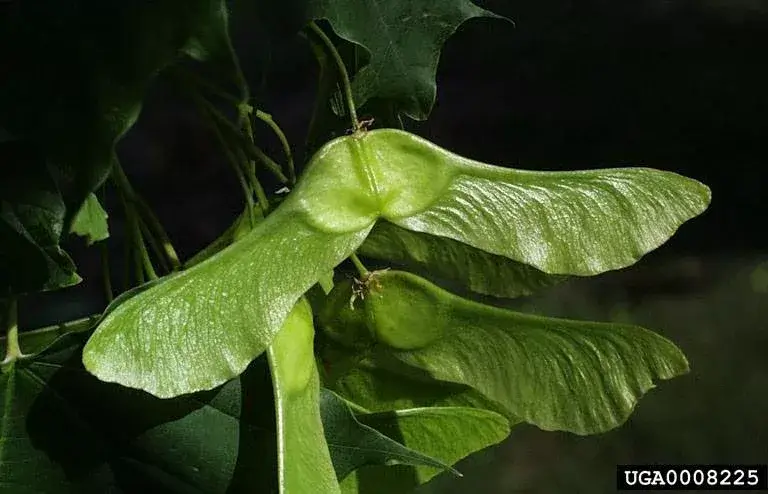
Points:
x=394, y=315
x=292, y=350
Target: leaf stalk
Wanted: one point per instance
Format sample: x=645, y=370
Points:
x=356, y=126
x=364, y=273
x=143, y=264
x=105, y=272
x=267, y=119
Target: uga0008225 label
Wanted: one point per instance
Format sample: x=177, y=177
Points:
x=692, y=477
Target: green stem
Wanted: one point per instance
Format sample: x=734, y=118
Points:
x=261, y=196
x=243, y=168
x=190, y=76
x=325, y=88
x=267, y=119
x=244, y=111
x=145, y=260
x=74, y=326
x=359, y=265
x=155, y=246
x=157, y=233
x=132, y=256
x=128, y=197
x=207, y=109
x=235, y=163
x=138, y=268
x=240, y=80
x=137, y=203
x=244, y=116
x=271, y=164
x=69, y=327
x=127, y=250
x=12, y=349
x=232, y=131
x=122, y=182
x=342, y=71
x=105, y=272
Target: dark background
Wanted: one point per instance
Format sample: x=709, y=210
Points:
x=676, y=85
x=680, y=86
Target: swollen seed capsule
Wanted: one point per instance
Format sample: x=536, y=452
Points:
x=292, y=350
x=401, y=310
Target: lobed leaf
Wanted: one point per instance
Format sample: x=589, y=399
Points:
x=404, y=39
x=31, y=222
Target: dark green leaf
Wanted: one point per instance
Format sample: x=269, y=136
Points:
x=441, y=258
x=75, y=75
x=17, y=451
x=211, y=41
x=31, y=223
x=59, y=434
x=582, y=377
x=448, y=433
x=102, y=57
x=353, y=444
x=404, y=39
x=91, y=221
